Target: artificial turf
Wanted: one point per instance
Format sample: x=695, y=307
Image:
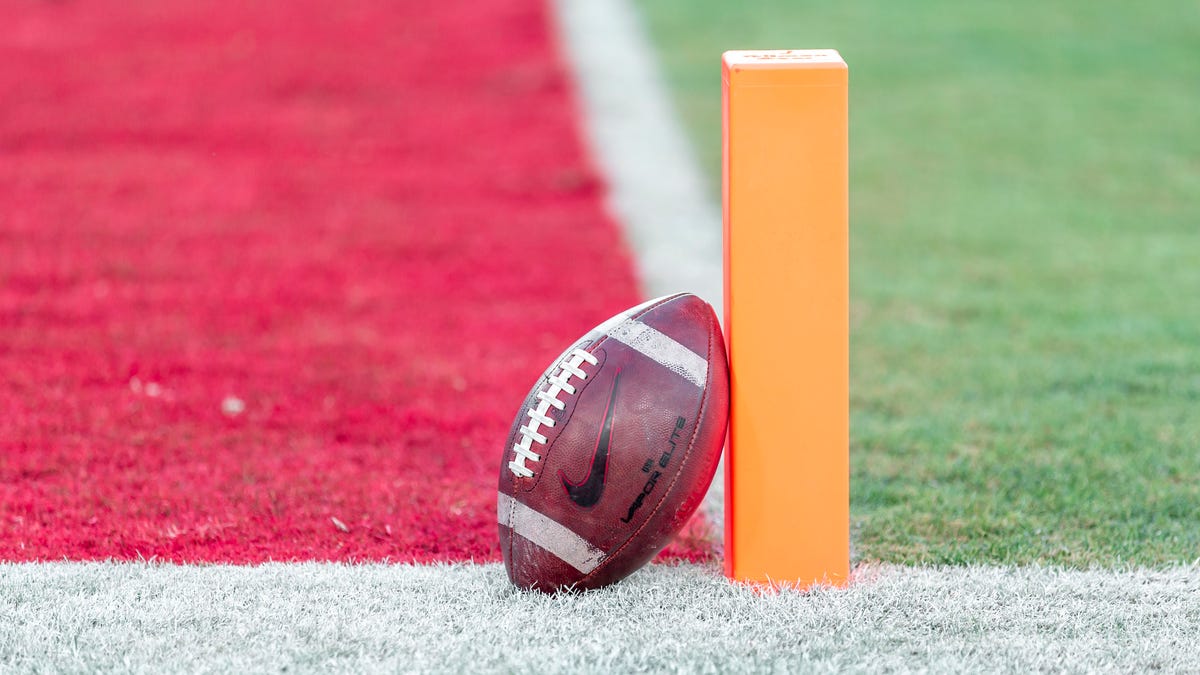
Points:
x=1025, y=256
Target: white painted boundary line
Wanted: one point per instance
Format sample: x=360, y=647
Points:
x=133, y=617
x=656, y=191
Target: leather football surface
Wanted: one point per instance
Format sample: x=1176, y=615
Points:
x=614, y=447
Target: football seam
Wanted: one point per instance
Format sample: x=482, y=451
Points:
x=691, y=445
x=595, y=350
x=512, y=533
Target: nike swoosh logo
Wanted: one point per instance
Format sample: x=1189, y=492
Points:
x=587, y=492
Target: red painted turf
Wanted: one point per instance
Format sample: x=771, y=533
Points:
x=372, y=224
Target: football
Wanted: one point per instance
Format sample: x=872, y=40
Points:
x=614, y=447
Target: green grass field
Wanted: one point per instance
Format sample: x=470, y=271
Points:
x=1025, y=182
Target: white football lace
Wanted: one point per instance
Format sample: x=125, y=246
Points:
x=548, y=398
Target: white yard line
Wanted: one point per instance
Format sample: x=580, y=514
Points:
x=134, y=617
x=655, y=189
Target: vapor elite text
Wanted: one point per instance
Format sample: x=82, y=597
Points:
x=663, y=460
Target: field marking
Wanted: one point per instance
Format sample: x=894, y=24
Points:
x=304, y=617
x=656, y=191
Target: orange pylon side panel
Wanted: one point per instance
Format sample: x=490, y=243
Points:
x=786, y=212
